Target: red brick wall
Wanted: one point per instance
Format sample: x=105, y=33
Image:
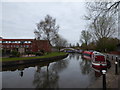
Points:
x=115, y=52
x=41, y=45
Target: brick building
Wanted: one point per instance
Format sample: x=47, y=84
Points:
x=24, y=45
x=40, y=45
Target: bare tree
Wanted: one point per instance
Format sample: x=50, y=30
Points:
x=102, y=21
x=101, y=8
x=85, y=37
x=60, y=41
x=77, y=44
x=47, y=29
x=103, y=27
x=113, y=6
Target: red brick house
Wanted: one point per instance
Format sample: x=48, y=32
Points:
x=26, y=44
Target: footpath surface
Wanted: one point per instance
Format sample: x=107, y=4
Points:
x=112, y=80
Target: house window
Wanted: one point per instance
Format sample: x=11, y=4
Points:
x=18, y=42
x=29, y=41
x=3, y=41
x=8, y=41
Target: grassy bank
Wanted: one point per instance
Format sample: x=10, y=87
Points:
x=53, y=54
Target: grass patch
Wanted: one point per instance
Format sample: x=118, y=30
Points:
x=53, y=54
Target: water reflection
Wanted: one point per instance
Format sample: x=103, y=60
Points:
x=97, y=74
x=45, y=79
x=75, y=56
x=85, y=66
x=21, y=73
x=72, y=55
x=71, y=72
x=48, y=77
x=59, y=66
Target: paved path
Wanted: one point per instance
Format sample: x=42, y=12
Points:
x=112, y=80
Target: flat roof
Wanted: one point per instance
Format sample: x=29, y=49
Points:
x=16, y=39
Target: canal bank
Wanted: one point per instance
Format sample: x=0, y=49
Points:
x=33, y=60
x=112, y=79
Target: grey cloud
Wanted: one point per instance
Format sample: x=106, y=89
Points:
x=20, y=18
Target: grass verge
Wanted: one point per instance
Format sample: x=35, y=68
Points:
x=49, y=55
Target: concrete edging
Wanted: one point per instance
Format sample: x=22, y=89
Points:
x=21, y=62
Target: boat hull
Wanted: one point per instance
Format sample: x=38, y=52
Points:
x=87, y=57
x=99, y=66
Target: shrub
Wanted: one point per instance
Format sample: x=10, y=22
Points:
x=15, y=54
x=42, y=51
x=38, y=53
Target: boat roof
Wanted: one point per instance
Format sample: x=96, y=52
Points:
x=98, y=53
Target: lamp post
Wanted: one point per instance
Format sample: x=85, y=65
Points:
x=116, y=69
x=104, y=79
x=116, y=65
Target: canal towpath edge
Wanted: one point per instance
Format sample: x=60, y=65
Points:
x=112, y=80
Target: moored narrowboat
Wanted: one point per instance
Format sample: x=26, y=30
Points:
x=99, y=61
x=87, y=54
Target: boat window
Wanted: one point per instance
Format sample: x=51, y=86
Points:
x=100, y=58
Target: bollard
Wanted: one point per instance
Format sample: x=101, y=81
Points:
x=112, y=57
x=116, y=69
x=101, y=68
x=104, y=79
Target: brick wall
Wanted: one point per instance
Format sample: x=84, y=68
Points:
x=41, y=45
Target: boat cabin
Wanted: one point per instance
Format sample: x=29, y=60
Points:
x=98, y=57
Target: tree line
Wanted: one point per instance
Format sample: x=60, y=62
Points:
x=103, y=28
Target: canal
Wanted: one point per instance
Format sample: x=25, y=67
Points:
x=71, y=72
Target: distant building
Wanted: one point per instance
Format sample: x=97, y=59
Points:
x=23, y=45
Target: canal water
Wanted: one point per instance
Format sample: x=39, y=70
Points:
x=70, y=72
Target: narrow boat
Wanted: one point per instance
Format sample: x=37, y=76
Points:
x=87, y=54
x=99, y=61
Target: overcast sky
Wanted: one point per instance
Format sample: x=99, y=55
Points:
x=19, y=18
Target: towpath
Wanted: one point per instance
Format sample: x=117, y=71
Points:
x=112, y=80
